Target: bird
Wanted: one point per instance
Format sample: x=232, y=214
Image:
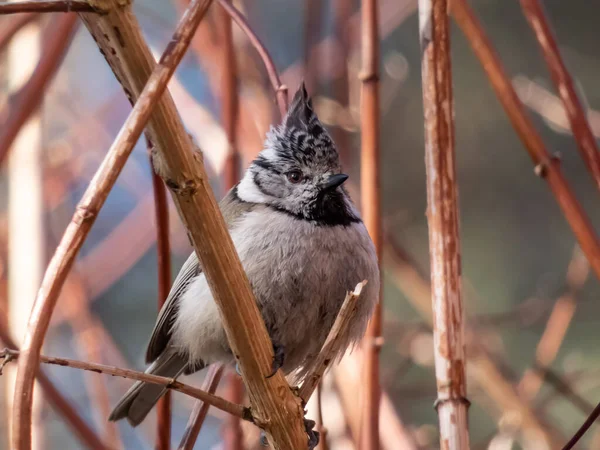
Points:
x=302, y=244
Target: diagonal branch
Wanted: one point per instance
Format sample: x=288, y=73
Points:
x=85, y=215
x=27, y=100
x=240, y=411
x=332, y=343
x=48, y=6
x=564, y=85
x=546, y=165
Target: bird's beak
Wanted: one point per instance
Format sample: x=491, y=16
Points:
x=334, y=181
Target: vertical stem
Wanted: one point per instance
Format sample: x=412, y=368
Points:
x=564, y=85
x=312, y=26
x=371, y=210
x=161, y=209
x=442, y=218
x=232, y=432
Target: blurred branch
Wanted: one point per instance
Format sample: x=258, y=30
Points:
x=13, y=26
x=442, y=218
x=319, y=420
x=80, y=428
x=163, y=249
x=88, y=208
x=280, y=89
x=331, y=346
x=194, y=425
x=484, y=370
x=49, y=6
x=370, y=188
x=57, y=38
x=557, y=325
x=312, y=29
x=238, y=410
x=563, y=81
x=562, y=386
x=546, y=165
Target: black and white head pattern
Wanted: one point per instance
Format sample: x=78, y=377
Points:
x=293, y=173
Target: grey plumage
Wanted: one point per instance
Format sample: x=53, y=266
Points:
x=302, y=244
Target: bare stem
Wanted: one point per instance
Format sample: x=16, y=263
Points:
x=564, y=85
x=583, y=429
x=84, y=217
x=280, y=89
x=442, y=219
x=371, y=211
x=194, y=425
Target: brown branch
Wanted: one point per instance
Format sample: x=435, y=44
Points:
x=332, y=344
x=238, y=410
x=85, y=215
x=20, y=107
x=583, y=429
x=442, y=219
x=371, y=211
x=163, y=250
x=563, y=81
x=49, y=6
x=182, y=168
x=80, y=428
x=546, y=166
x=9, y=30
x=280, y=89
x=194, y=425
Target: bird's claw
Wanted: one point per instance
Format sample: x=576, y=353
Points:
x=278, y=359
x=313, y=436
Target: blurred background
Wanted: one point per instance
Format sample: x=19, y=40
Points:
x=528, y=296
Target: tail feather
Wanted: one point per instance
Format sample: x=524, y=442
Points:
x=141, y=397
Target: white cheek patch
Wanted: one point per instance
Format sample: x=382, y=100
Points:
x=248, y=191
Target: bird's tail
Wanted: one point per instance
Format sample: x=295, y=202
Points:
x=141, y=397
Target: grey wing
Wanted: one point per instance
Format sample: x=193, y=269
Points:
x=231, y=208
x=162, y=329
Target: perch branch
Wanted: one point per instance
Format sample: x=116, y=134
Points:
x=371, y=210
x=280, y=89
x=442, y=219
x=332, y=343
x=563, y=81
x=238, y=410
x=49, y=6
x=546, y=165
x=83, y=219
x=20, y=107
x=182, y=169
x=194, y=425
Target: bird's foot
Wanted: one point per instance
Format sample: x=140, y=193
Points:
x=278, y=358
x=263, y=439
x=313, y=436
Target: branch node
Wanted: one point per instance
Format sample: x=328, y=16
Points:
x=367, y=77
x=460, y=399
x=541, y=169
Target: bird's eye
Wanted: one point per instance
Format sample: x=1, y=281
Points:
x=294, y=176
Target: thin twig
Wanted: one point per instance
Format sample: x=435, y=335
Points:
x=85, y=215
x=9, y=30
x=332, y=344
x=238, y=410
x=194, y=425
x=319, y=420
x=583, y=429
x=280, y=89
x=24, y=103
x=442, y=219
x=163, y=250
x=564, y=85
x=371, y=210
x=546, y=165
x=80, y=428
x=48, y=6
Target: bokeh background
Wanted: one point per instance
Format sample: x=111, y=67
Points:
x=516, y=246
